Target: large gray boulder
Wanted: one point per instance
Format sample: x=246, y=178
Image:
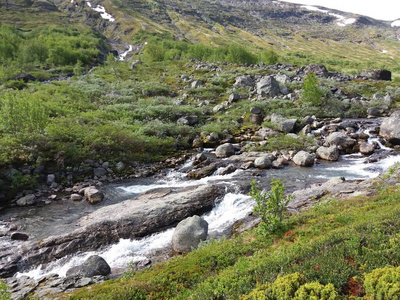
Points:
x=244, y=81
x=304, y=159
x=188, y=234
x=366, y=148
x=286, y=125
x=225, y=150
x=328, y=153
x=377, y=74
x=268, y=86
x=317, y=69
x=93, y=266
x=262, y=162
x=341, y=140
x=390, y=128
x=93, y=195
x=27, y=200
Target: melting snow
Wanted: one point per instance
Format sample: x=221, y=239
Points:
x=384, y=51
x=105, y=15
x=396, y=23
x=342, y=21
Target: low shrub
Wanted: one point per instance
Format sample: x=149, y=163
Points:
x=383, y=283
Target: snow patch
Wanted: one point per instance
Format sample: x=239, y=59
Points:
x=105, y=15
x=342, y=21
x=313, y=8
x=384, y=51
x=396, y=23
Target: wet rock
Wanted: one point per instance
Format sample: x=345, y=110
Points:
x=93, y=195
x=19, y=236
x=188, y=234
x=99, y=172
x=227, y=170
x=373, y=112
x=341, y=140
x=366, y=148
x=390, y=128
x=225, y=150
x=247, y=165
x=263, y=162
x=76, y=197
x=94, y=265
x=304, y=159
x=328, y=153
x=203, y=172
x=268, y=86
x=27, y=200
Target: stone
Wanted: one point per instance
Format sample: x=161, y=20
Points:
x=120, y=166
x=284, y=89
x=341, y=140
x=256, y=119
x=227, y=170
x=256, y=110
x=25, y=77
x=218, y=108
x=377, y=74
x=76, y=197
x=27, y=200
x=188, y=234
x=262, y=162
x=317, y=69
x=233, y=97
x=390, y=128
x=267, y=132
x=99, y=172
x=93, y=195
x=328, y=153
x=196, y=84
x=225, y=150
x=244, y=81
x=282, y=78
x=373, y=112
x=286, y=125
x=203, y=172
x=268, y=86
x=188, y=120
x=93, y=266
x=50, y=179
x=19, y=236
x=366, y=148
x=304, y=159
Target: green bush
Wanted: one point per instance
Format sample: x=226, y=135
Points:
x=312, y=93
x=4, y=293
x=240, y=55
x=383, y=283
x=285, y=287
x=269, y=206
x=153, y=52
x=316, y=291
x=269, y=57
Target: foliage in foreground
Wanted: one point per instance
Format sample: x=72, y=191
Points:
x=334, y=244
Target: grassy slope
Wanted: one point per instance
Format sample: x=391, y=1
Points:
x=333, y=242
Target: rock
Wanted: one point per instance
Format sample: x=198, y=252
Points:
x=341, y=140
x=318, y=69
x=268, y=86
x=188, y=120
x=244, y=81
x=328, y=153
x=284, y=89
x=267, y=132
x=129, y=219
x=93, y=195
x=27, y=200
x=282, y=78
x=377, y=74
x=50, y=179
x=286, y=125
x=76, y=197
x=25, y=77
x=93, y=266
x=262, y=162
x=304, y=159
x=366, y=148
x=196, y=84
x=218, y=108
x=373, y=112
x=203, y=172
x=227, y=170
x=247, y=165
x=135, y=63
x=256, y=119
x=225, y=150
x=390, y=128
x=188, y=234
x=120, y=166
x=19, y=236
x=99, y=172
x=233, y=98
x=388, y=100
x=256, y=110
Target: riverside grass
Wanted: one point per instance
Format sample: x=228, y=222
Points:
x=336, y=242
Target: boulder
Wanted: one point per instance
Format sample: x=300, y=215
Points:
x=318, y=69
x=256, y=119
x=99, y=172
x=244, y=81
x=304, y=159
x=233, y=97
x=390, y=128
x=188, y=234
x=218, y=108
x=120, y=166
x=196, y=84
x=227, y=170
x=50, y=179
x=341, y=140
x=203, y=172
x=262, y=162
x=366, y=148
x=225, y=150
x=25, y=77
x=268, y=86
x=93, y=266
x=286, y=125
x=27, y=200
x=188, y=120
x=328, y=153
x=93, y=195
x=76, y=197
x=377, y=74
x=19, y=236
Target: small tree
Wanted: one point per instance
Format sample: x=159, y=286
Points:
x=269, y=57
x=270, y=205
x=312, y=93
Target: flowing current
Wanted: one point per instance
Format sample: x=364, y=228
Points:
x=232, y=207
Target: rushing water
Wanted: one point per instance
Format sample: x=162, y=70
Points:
x=53, y=219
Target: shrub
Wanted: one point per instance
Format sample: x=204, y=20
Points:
x=240, y=55
x=4, y=293
x=312, y=93
x=153, y=52
x=270, y=205
x=269, y=57
x=316, y=291
x=383, y=283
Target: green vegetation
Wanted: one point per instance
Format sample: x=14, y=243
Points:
x=4, y=293
x=311, y=92
x=269, y=206
x=333, y=249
